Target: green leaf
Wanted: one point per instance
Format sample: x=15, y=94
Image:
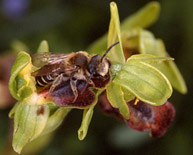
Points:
x=148, y=58
x=145, y=82
x=86, y=119
x=29, y=122
x=149, y=45
x=114, y=34
x=55, y=120
x=115, y=96
x=143, y=18
x=22, y=60
x=43, y=47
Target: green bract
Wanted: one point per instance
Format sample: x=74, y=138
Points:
x=29, y=122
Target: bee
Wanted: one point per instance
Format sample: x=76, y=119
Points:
x=74, y=69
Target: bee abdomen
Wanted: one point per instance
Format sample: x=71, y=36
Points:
x=42, y=81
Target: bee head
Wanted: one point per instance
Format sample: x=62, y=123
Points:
x=98, y=66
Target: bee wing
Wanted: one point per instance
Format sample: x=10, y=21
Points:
x=55, y=68
x=41, y=59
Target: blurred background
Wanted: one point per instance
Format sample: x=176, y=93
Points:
x=71, y=25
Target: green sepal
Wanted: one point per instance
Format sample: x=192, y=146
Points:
x=22, y=60
x=142, y=18
x=148, y=58
x=145, y=82
x=115, y=96
x=43, y=47
x=149, y=45
x=55, y=120
x=29, y=122
x=114, y=35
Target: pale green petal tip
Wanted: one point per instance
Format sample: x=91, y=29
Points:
x=43, y=47
x=113, y=4
x=155, y=5
x=114, y=34
x=87, y=116
x=17, y=149
x=184, y=89
x=155, y=8
x=81, y=135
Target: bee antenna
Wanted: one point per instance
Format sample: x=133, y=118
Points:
x=86, y=84
x=107, y=51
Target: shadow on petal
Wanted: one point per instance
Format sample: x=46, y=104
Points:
x=143, y=117
x=106, y=107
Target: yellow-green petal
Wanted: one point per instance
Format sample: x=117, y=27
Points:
x=115, y=96
x=145, y=82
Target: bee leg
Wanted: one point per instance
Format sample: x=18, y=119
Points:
x=56, y=82
x=74, y=89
